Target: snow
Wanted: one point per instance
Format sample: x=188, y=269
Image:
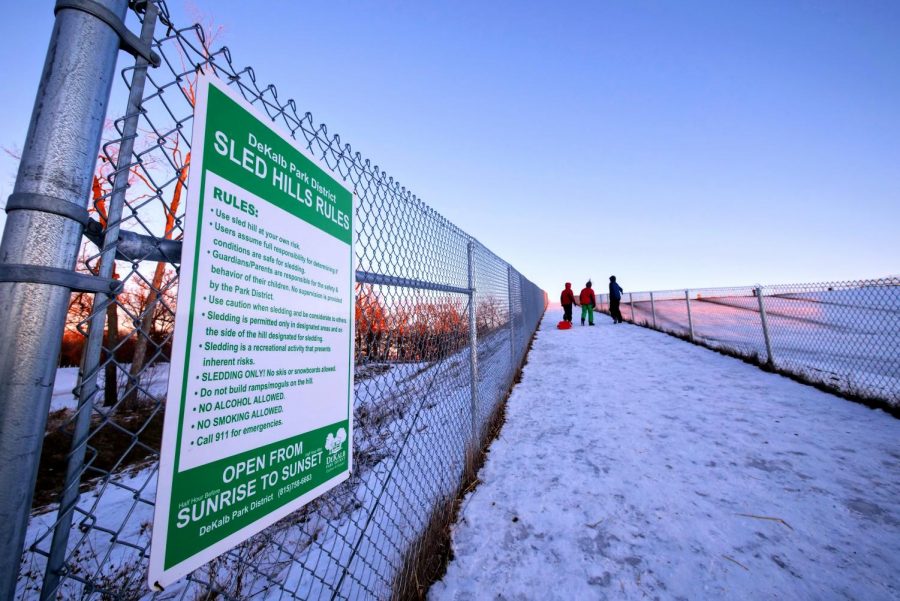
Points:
x=63, y=387
x=634, y=465
x=117, y=566
x=413, y=421
x=153, y=382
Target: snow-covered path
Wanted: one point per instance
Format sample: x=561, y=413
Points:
x=633, y=465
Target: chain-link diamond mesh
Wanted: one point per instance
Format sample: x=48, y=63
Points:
x=417, y=414
x=843, y=335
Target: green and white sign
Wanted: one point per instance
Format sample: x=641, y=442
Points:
x=258, y=416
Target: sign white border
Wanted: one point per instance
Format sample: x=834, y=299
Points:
x=158, y=577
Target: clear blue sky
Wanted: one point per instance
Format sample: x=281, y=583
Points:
x=674, y=144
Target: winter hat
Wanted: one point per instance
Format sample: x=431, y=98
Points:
x=612, y=278
x=588, y=285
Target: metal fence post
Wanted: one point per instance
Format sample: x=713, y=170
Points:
x=510, y=318
x=473, y=346
x=631, y=302
x=90, y=363
x=765, y=326
x=687, y=298
x=653, y=310
x=43, y=230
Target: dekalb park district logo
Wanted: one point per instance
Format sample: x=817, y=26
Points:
x=337, y=453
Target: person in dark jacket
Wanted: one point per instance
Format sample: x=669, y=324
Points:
x=567, y=299
x=588, y=302
x=615, y=295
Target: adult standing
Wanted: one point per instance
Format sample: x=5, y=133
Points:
x=567, y=299
x=588, y=302
x=615, y=296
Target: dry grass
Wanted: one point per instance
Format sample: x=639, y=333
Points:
x=426, y=561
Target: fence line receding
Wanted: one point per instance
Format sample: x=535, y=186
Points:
x=842, y=335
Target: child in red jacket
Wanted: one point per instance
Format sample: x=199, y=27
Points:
x=567, y=299
x=588, y=302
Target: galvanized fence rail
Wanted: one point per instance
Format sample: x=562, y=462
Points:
x=442, y=326
x=841, y=335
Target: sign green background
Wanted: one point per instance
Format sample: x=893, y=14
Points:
x=225, y=115
x=185, y=542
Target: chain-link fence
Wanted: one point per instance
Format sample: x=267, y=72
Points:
x=442, y=326
x=842, y=335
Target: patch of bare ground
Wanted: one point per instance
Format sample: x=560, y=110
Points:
x=117, y=441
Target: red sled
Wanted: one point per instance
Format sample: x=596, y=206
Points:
x=564, y=325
